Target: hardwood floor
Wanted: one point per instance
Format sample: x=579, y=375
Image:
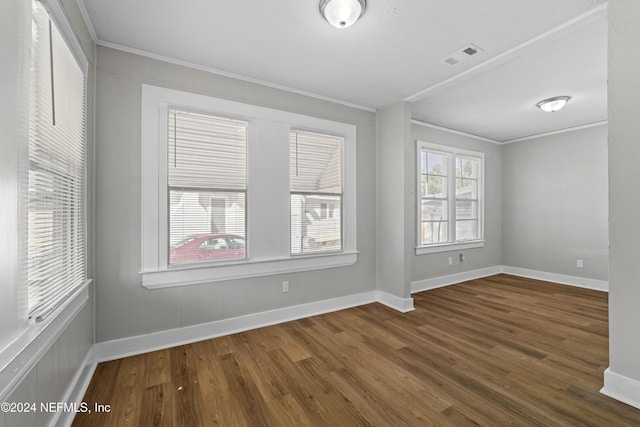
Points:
x=496, y=351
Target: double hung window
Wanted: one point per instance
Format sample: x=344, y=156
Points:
x=450, y=203
x=232, y=190
x=316, y=192
x=207, y=182
x=54, y=188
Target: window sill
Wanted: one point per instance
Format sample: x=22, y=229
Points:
x=194, y=275
x=447, y=247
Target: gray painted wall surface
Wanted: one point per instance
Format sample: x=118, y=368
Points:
x=437, y=264
x=124, y=307
x=554, y=194
x=624, y=197
x=393, y=135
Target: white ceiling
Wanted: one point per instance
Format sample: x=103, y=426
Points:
x=532, y=49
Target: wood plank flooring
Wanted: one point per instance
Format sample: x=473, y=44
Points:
x=502, y=350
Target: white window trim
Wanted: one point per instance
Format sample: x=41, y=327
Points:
x=453, y=245
x=56, y=11
x=154, y=269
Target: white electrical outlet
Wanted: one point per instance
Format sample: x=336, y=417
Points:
x=285, y=286
x=462, y=257
x=450, y=260
x=580, y=263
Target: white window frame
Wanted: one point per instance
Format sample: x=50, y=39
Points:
x=268, y=210
x=452, y=244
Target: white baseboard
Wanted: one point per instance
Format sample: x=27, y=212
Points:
x=125, y=347
x=438, y=282
x=452, y=279
x=621, y=388
x=581, y=282
x=77, y=389
x=403, y=305
x=116, y=349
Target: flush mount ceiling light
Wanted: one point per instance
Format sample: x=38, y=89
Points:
x=342, y=13
x=552, y=105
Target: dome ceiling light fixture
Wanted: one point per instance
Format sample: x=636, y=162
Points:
x=552, y=105
x=342, y=13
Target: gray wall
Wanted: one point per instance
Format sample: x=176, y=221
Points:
x=392, y=138
x=624, y=197
x=554, y=194
x=124, y=307
x=429, y=266
x=51, y=376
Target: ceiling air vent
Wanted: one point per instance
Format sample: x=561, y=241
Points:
x=462, y=55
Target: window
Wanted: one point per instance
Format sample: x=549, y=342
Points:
x=450, y=191
x=207, y=169
x=227, y=193
x=316, y=181
x=55, y=183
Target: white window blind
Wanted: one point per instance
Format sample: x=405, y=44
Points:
x=207, y=175
x=56, y=240
x=316, y=192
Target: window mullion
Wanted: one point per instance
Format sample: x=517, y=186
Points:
x=452, y=198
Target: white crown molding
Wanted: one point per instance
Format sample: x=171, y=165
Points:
x=621, y=388
x=87, y=20
x=525, y=138
x=230, y=75
x=449, y=130
x=513, y=52
x=558, y=132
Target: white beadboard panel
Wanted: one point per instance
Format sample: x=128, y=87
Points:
x=46, y=378
x=56, y=373
x=80, y=383
x=26, y=392
x=124, y=307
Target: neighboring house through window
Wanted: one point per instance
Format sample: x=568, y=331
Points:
x=316, y=182
x=207, y=182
